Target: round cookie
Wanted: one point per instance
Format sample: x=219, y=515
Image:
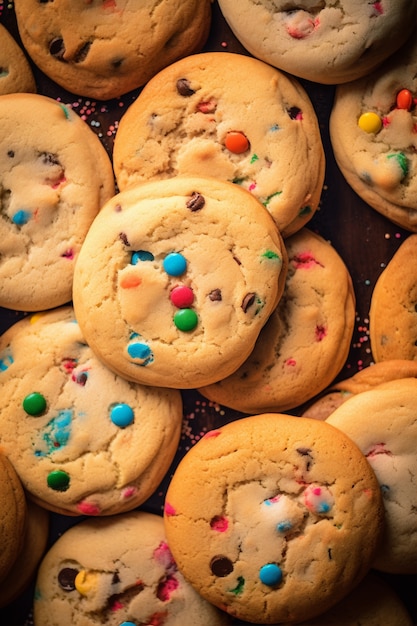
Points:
x=363, y=380
x=202, y=116
x=373, y=134
x=382, y=422
x=117, y=571
x=54, y=176
x=392, y=313
x=176, y=278
x=305, y=342
x=274, y=518
x=13, y=513
x=83, y=440
x=34, y=545
x=105, y=48
x=321, y=40
x=15, y=72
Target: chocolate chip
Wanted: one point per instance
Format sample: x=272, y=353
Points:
x=115, y=579
x=238, y=261
x=116, y=63
x=184, y=87
x=82, y=52
x=124, y=238
x=304, y=451
x=215, y=295
x=48, y=158
x=221, y=566
x=66, y=578
x=57, y=48
x=248, y=300
x=10, y=154
x=196, y=202
x=293, y=112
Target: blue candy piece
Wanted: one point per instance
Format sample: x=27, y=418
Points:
x=174, y=264
x=270, y=574
x=122, y=415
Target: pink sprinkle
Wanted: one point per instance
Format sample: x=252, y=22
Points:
x=162, y=554
x=291, y=362
x=69, y=365
x=378, y=8
x=68, y=254
x=88, y=509
x=252, y=186
x=386, y=121
x=321, y=332
x=224, y=44
x=169, y=509
x=207, y=106
x=116, y=606
x=379, y=448
x=317, y=491
x=128, y=492
x=305, y=260
x=219, y=523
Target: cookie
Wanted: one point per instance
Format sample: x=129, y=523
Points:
x=382, y=422
x=305, y=342
x=324, y=41
x=105, y=48
x=54, y=176
x=274, y=518
x=24, y=568
x=15, y=72
x=12, y=515
x=392, y=313
x=117, y=570
x=363, y=380
x=372, y=131
x=176, y=278
x=83, y=440
x=232, y=117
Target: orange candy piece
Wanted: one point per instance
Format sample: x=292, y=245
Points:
x=404, y=99
x=236, y=141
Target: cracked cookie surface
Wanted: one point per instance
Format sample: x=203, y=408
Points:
x=201, y=116
x=83, y=440
x=176, y=278
x=115, y=571
x=274, y=518
x=326, y=41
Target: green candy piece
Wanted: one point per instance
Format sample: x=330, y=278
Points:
x=402, y=161
x=186, y=319
x=58, y=480
x=34, y=403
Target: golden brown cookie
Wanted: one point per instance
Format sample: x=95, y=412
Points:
x=374, y=139
x=105, y=48
x=232, y=117
x=393, y=313
x=12, y=515
x=176, y=278
x=274, y=518
x=15, y=72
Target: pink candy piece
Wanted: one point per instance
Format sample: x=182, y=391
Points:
x=128, y=492
x=305, y=260
x=87, y=508
x=169, y=509
x=378, y=448
x=166, y=588
x=219, y=523
x=212, y=433
x=321, y=332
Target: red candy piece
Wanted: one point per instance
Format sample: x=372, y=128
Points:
x=236, y=142
x=404, y=99
x=182, y=297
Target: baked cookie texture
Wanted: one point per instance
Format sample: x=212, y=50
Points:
x=364, y=380
x=306, y=340
x=383, y=423
x=15, y=72
x=115, y=571
x=374, y=139
x=54, y=176
x=323, y=41
x=13, y=515
x=176, y=278
x=201, y=116
x=82, y=440
x=24, y=568
x=392, y=313
x=103, y=49
x=274, y=518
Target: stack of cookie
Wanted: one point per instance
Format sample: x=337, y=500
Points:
x=182, y=296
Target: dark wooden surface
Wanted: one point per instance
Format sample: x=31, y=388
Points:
x=364, y=239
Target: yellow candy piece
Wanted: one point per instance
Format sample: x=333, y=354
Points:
x=85, y=582
x=370, y=122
